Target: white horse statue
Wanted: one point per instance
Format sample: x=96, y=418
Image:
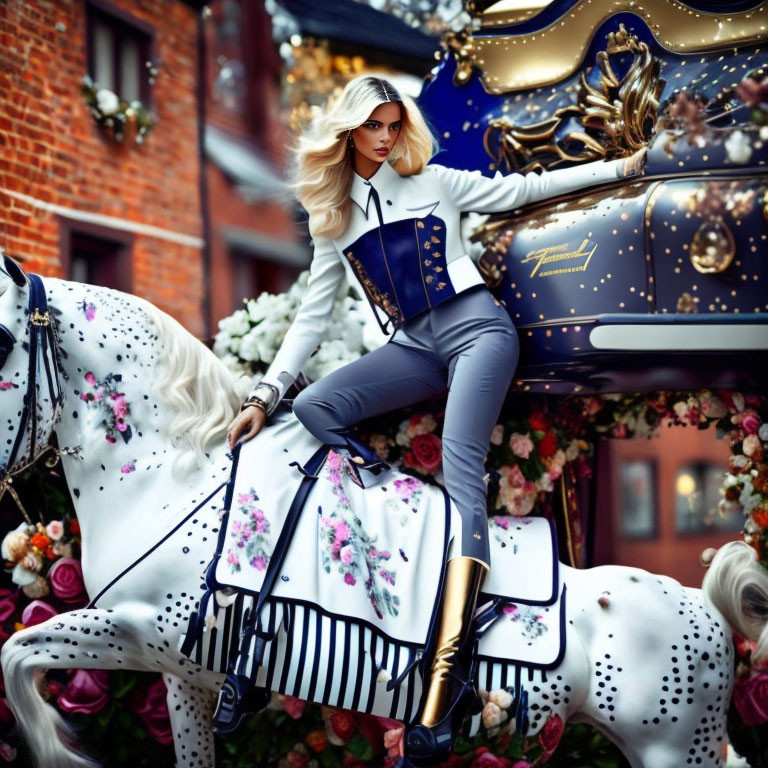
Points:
x=647, y=661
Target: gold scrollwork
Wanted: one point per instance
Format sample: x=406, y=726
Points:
x=380, y=298
x=510, y=62
x=615, y=115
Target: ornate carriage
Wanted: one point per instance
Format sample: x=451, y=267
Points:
x=652, y=283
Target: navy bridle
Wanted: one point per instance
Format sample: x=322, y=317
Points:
x=41, y=348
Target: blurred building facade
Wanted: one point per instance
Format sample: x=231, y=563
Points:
x=75, y=202
x=657, y=502
x=195, y=215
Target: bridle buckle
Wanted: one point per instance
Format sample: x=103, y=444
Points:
x=40, y=318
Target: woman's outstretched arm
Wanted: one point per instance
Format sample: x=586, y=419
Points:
x=471, y=191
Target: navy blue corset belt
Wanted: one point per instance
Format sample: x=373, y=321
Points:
x=401, y=265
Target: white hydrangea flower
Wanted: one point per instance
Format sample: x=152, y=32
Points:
x=738, y=147
x=107, y=101
x=236, y=324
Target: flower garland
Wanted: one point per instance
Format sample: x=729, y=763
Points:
x=115, y=114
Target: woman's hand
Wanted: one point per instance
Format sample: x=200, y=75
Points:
x=634, y=163
x=251, y=419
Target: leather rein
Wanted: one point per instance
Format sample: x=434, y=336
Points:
x=44, y=360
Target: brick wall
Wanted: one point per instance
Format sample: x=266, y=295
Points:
x=56, y=161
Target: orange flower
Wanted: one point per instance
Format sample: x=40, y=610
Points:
x=40, y=541
x=49, y=553
x=317, y=741
x=760, y=516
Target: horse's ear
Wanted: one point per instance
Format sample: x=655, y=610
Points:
x=15, y=272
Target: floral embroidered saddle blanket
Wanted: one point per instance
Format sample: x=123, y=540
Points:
x=338, y=607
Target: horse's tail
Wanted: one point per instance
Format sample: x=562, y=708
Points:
x=49, y=736
x=737, y=585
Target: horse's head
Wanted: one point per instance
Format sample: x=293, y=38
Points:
x=15, y=336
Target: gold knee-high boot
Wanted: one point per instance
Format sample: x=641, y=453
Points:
x=450, y=689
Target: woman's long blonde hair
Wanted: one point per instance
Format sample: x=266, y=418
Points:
x=322, y=168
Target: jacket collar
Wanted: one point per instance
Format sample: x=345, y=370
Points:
x=384, y=180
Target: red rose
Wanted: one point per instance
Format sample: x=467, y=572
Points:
x=74, y=527
x=538, y=421
x=343, y=724
x=151, y=706
x=87, y=692
x=428, y=451
x=750, y=697
x=550, y=735
x=548, y=445
x=66, y=577
x=619, y=430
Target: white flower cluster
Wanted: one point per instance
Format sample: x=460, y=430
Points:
x=248, y=340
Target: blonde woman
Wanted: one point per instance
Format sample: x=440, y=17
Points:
x=384, y=217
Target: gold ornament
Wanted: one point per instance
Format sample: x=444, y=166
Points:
x=614, y=115
x=712, y=248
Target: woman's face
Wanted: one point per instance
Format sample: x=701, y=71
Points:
x=375, y=138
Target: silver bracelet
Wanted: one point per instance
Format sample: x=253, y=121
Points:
x=268, y=394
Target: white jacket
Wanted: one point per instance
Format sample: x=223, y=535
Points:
x=420, y=233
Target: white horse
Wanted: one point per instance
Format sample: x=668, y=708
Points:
x=648, y=661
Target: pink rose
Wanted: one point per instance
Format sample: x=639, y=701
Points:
x=151, y=706
x=515, y=477
x=428, y=451
x=7, y=609
x=550, y=735
x=349, y=579
x=393, y=742
x=750, y=697
x=66, y=577
x=90, y=378
x=55, y=530
x=294, y=707
x=750, y=422
x=347, y=554
x=484, y=758
x=6, y=385
x=521, y=445
x=119, y=405
x=37, y=612
x=87, y=692
x=342, y=532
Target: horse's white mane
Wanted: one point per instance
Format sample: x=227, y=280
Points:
x=199, y=390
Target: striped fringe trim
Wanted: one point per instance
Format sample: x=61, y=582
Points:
x=313, y=657
x=332, y=661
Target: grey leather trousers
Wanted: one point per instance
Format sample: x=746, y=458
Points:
x=467, y=345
